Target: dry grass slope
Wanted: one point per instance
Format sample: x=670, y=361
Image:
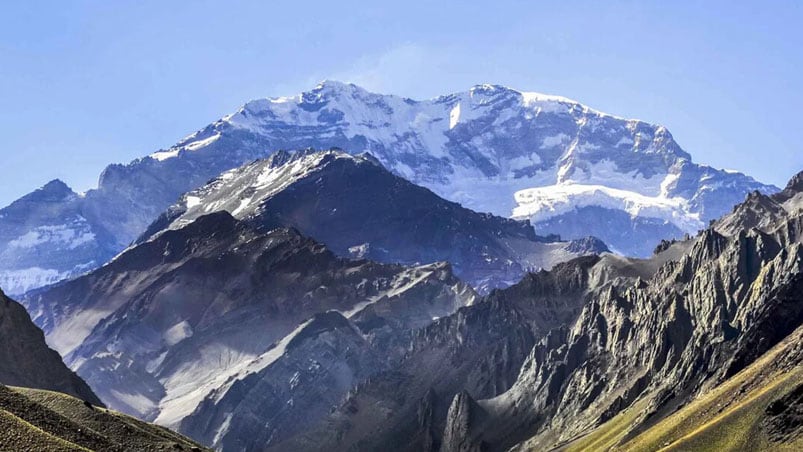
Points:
x=727, y=418
x=32, y=419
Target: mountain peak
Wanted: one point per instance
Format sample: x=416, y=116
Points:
x=336, y=86
x=311, y=157
x=795, y=183
x=54, y=191
x=490, y=88
x=485, y=151
x=56, y=186
x=332, y=89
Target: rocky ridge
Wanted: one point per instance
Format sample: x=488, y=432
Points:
x=359, y=209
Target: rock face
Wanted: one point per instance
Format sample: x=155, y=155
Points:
x=26, y=360
x=359, y=209
x=196, y=315
x=52, y=408
x=319, y=365
x=462, y=414
x=491, y=149
x=424, y=400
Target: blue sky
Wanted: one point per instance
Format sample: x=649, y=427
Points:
x=88, y=83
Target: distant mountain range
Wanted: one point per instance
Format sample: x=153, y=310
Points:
x=572, y=170
x=247, y=337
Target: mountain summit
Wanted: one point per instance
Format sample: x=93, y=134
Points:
x=569, y=168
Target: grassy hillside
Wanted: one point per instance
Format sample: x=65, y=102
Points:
x=32, y=419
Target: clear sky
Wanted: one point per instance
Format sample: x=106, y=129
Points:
x=88, y=83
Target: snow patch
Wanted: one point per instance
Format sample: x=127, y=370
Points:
x=164, y=155
x=138, y=402
x=454, y=116
x=178, y=333
x=17, y=282
x=555, y=140
x=195, y=145
x=542, y=203
x=193, y=201
x=71, y=236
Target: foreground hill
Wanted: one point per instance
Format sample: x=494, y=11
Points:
x=37, y=420
x=571, y=169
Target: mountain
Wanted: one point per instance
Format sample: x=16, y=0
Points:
x=697, y=345
x=478, y=350
x=359, y=209
x=196, y=310
x=661, y=343
x=45, y=237
x=572, y=170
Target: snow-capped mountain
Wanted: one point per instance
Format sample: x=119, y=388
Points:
x=491, y=148
x=46, y=237
x=357, y=208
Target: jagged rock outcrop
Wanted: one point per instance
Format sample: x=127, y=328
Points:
x=463, y=413
x=477, y=351
x=695, y=323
